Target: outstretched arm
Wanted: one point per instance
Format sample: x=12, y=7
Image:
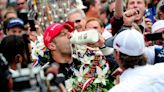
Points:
x=119, y=8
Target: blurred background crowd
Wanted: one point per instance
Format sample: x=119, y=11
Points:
x=81, y=45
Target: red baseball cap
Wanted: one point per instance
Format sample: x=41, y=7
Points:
x=54, y=29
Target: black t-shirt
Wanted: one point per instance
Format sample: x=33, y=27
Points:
x=159, y=55
x=68, y=69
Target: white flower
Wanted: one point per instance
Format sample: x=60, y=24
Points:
x=69, y=84
x=80, y=4
x=38, y=49
x=34, y=54
x=87, y=59
x=101, y=75
x=81, y=72
x=102, y=62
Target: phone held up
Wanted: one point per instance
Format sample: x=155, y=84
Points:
x=32, y=25
x=149, y=14
x=154, y=36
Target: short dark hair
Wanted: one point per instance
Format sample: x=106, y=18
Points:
x=130, y=61
x=28, y=53
x=88, y=3
x=11, y=46
x=161, y=8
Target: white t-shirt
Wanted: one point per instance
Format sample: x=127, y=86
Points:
x=106, y=34
x=148, y=78
x=150, y=53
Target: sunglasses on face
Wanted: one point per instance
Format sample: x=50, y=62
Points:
x=77, y=21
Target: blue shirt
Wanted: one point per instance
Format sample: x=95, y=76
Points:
x=159, y=55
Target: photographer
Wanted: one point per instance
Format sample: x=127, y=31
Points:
x=155, y=53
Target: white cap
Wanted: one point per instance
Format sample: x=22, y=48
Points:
x=129, y=42
x=157, y=25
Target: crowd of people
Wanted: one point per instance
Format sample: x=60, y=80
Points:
x=99, y=46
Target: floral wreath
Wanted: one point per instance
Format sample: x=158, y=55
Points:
x=93, y=74
x=40, y=54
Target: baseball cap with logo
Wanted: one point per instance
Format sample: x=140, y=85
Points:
x=129, y=42
x=14, y=22
x=54, y=29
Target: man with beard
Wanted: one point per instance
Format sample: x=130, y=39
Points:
x=56, y=39
x=137, y=76
x=155, y=53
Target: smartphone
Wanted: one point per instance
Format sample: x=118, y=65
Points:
x=154, y=36
x=32, y=25
x=149, y=14
x=23, y=16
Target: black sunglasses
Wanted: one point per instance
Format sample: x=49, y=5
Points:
x=77, y=21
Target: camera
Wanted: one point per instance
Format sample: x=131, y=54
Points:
x=154, y=36
x=29, y=79
x=32, y=25
x=23, y=15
